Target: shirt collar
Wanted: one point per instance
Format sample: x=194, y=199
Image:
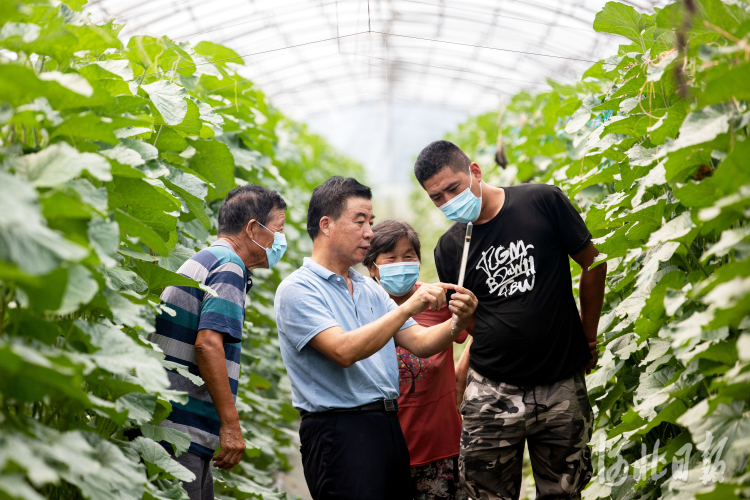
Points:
x=224, y=243
x=327, y=274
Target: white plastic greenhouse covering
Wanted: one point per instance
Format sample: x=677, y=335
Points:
x=381, y=78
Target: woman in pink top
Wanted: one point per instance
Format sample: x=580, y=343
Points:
x=427, y=387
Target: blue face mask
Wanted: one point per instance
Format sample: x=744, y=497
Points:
x=277, y=249
x=398, y=278
x=465, y=207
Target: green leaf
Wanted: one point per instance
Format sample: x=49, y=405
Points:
x=158, y=460
x=116, y=352
x=85, y=126
x=730, y=239
x=24, y=239
x=681, y=229
x=621, y=19
x=27, y=32
x=80, y=289
x=140, y=407
x=726, y=421
x=192, y=190
x=215, y=163
x=124, y=312
x=191, y=124
x=104, y=237
x=170, y=140
x=57, y=164
x=726, y=85
x=179, y=440
x=701, y=126
x=15, y=487
x=218, y=53
x=129, y=225
x=169, y=99
x=159, y=278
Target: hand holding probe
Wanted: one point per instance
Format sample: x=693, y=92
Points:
x=462, y=271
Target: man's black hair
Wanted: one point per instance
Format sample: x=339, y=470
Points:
x=438, y=155
x=245, y=203
x=330, y=198
x=385, y=238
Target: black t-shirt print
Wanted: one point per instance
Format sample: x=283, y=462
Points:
x=528, y=330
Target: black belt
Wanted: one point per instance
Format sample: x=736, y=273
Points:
x=386, y=405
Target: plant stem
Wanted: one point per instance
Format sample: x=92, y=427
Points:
x=697, y=262
x=158, y=134
x=687, y=264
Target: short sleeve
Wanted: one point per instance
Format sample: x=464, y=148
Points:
x=302, y=313
x=224, y=312
x=569, y=226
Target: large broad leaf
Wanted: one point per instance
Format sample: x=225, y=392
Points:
x=24, y=239
x=128, y=192
x=681, y=229
x=158, y=460
x=215, y=163
x=179, y=440
x=140, y=407
x=71, y=81
x=621, y=19
x=159, y=278
x=727, y=85
x=730, y=239
x=169, y=99
x=104, y=237
x=125, y=312
x=192, y=190
x=57, y=164
x=79, y=290
x=85, y=126
x=31, y=374
x=20, y=85
x=115, y=352
x=218, y=53
x=701, y=126
x=129, y=225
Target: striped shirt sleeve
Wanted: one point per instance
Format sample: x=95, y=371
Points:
x=224, y=313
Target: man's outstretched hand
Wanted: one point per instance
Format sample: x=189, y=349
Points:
x=232, y=447
x=427, y=296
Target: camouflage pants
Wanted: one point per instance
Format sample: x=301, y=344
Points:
x=555, y=419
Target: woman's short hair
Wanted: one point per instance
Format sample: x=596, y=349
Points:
x=387, y=234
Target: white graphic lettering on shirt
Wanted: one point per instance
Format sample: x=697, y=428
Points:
x=507, y=267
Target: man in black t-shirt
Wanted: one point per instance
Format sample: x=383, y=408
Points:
x=530, y=345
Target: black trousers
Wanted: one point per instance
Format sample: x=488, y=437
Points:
x=355, y=456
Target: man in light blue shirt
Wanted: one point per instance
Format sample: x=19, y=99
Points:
x=338, y=332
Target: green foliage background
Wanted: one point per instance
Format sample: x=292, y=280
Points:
x=663, y=182
x=113, y=163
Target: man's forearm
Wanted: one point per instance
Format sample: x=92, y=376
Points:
x=591, y=294
x=346, y=348
x=211, y=360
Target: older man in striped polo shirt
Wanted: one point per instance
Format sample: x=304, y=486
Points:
x=203, y=331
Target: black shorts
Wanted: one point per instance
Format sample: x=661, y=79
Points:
x=355, y=456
